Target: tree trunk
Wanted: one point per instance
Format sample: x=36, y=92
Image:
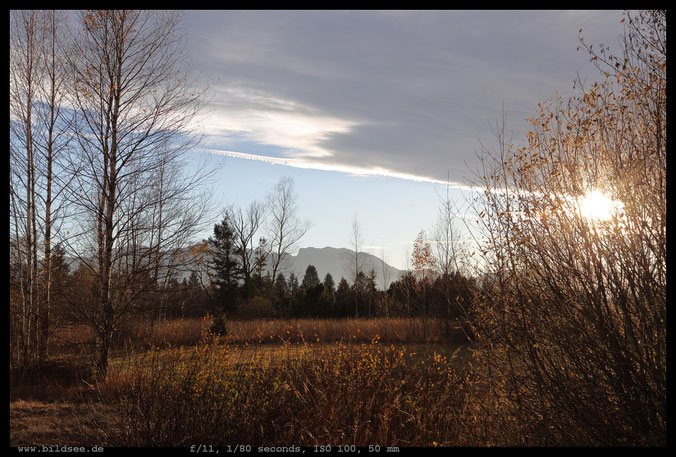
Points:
x=103, y=341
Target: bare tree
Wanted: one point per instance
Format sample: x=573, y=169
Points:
x=355, y=263
x=446, y=235
x=52, y=144
x=246, y=225
x=407, y=272
x=134, y=112
x=25, y=63
x=447, y=250
x=284, y=227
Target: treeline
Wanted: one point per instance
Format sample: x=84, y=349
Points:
x=242, y=285
x=438, y=296
x=289, y=296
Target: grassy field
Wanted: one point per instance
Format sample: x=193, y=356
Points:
x=186, y=332
x=268, y=382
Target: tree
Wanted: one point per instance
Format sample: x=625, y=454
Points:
x=402, y=291
x=39, y=138
x=25, y=68
x=573, y=322
x=50, y=144
x=386, y=281
x=284, y=227
x=280, y=295
x=329, y=283
x=327, y=300
x=195, y=297
x=245, y=225
x=60, y=280
x=261, y=257
x=312, y=290
x=423, y=266
x=344, y=298
x=134, y=108
x=295, y=302
x=311, y=278
x=293, y=283
x=225, y=265
x=371, y=291
x=447, y=252
x=355, y=263
x=360, y=288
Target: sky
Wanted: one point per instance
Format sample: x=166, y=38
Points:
x=372, y=112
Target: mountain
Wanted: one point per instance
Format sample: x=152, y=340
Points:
x=336, y=261
x=326, y=260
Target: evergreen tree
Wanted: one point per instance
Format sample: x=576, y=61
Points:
x=197, y=303
x=371, y=291
x=298, y=302
x=311, y=278
x=327, y=299
x=281, y=296
x=360, y=289
x=344, y=299
x=225, y=265
x=329, y=283
x=261, y=257
x=403, y=291
x=60, y=280
x=293, y=283
x=312, y=287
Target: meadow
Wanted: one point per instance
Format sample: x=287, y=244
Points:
x=304, y=382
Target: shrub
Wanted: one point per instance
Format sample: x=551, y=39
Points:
x=357, y=395
x=219, y=326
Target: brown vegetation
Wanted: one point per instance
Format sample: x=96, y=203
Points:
x=236, y=387
x=560, y=339
x=572, y=324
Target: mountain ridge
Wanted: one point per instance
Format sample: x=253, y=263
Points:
x=328, y=259
x=336, y=261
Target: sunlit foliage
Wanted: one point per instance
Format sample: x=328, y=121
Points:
x=573, y=325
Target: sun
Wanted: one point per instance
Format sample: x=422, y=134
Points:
x=597, y=206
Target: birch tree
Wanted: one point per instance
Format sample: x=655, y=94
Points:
x=284, y=227
x=355, y=263
x=25, y=68
x=135, y=107
x=246, y=225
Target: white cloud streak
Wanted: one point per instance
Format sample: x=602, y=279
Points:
x=308, y=163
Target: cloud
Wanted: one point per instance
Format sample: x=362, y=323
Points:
x=309, y=163
x=244, y=114
x=390, y=93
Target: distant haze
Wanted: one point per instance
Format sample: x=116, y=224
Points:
x=335, y=261
x=325, y=260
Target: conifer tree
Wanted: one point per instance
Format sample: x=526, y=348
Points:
x=224, y=263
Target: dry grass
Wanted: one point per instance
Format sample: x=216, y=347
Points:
x=188, y=332
x=306, y=394
x=392, y=330
x=315, y=393
x=139, y=334
x=313, y=382
x=36, y=423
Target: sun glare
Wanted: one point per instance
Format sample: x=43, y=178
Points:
x=596, y=206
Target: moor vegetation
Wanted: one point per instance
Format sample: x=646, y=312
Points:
x=127, y=330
